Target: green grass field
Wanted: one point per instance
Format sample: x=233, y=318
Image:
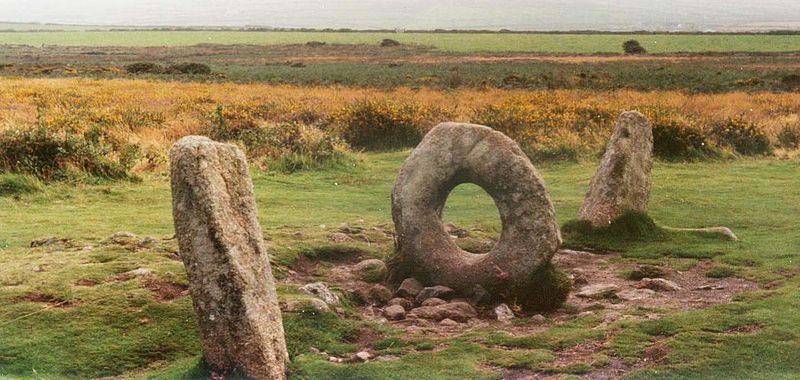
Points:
x=116, y=328
x=446, y=42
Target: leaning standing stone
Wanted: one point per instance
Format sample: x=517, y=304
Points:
x=221, y=245
x=622, y=182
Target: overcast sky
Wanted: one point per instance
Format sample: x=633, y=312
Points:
x=414, y=14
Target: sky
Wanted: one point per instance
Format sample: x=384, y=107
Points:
x=417, y=14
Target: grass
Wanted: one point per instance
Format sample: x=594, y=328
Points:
x=118, y=327
x=447, y=42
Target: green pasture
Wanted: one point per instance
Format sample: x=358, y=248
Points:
x=445, y=42
x=117, y=328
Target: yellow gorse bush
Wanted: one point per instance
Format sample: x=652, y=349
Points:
x=558, y=124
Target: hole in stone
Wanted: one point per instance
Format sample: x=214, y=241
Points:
x=471, y=216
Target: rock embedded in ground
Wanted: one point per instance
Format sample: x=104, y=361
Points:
x=369, y=265
x=362, y=356
x=409, y=288
x=458, y=311
x=538, y=319
x=321, y=291
x=406, y=304
x=448, y=322
x=437, y=291
x=635, y=294
x=338, y=237
x=394, y=312
x=452, y=154
x=598, y=291
x=433, y=302
x=659, y=284
x=379, y=294
x=139, y=272
x=724, y=231
x=221, y=245
x=503, y=313
x=623, y=180
x=645, y=271
x=319, y=305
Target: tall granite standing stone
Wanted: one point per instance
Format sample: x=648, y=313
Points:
x=622, y=182
x=222, y=247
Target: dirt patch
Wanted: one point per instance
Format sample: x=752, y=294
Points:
x=655, y=354
x=86, y=282
x=744, y=330
x=166, y=291
x=51, y=300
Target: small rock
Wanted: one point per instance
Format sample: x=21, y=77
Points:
x=387, y=358
x=480, y=295
x=448, y=322
x=503, y=313
x=635, y=294
x=368, y=265
x=578, y=278
x=645, y=271
x=406, y=304
x=37, y=269
x=433, y=302
x=338, y=237
x=321, y=291
x=362, y=356
x=314, y=350
x=140, y=272
x=585, y=314
x=147, y=240
x=409, y=288
x=122, y=237
x=458, y=311
x=437, y=291
x=334, y=359
x=379, y=294
x=319, y=305
x=455, y=231
x=659, y=284
x=394, y=312
x=598, y=291
x=710, y=287
x=538, y=319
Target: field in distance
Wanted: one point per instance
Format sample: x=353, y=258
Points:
x=445, y=42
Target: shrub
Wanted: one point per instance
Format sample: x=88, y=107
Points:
x=744, y=137
x=633, y=47
x=679, y=138
x=789, y=137
x=189, y=68
x=720, y=272
x=380, y=124
x=144, y=68
x=52, y=154
x=288, y=147
x=791, y=81
x=388, y=42
x=18, y=184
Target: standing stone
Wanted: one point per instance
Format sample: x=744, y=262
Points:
x=221, y=245
x=452, y=154
x=622, y=182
